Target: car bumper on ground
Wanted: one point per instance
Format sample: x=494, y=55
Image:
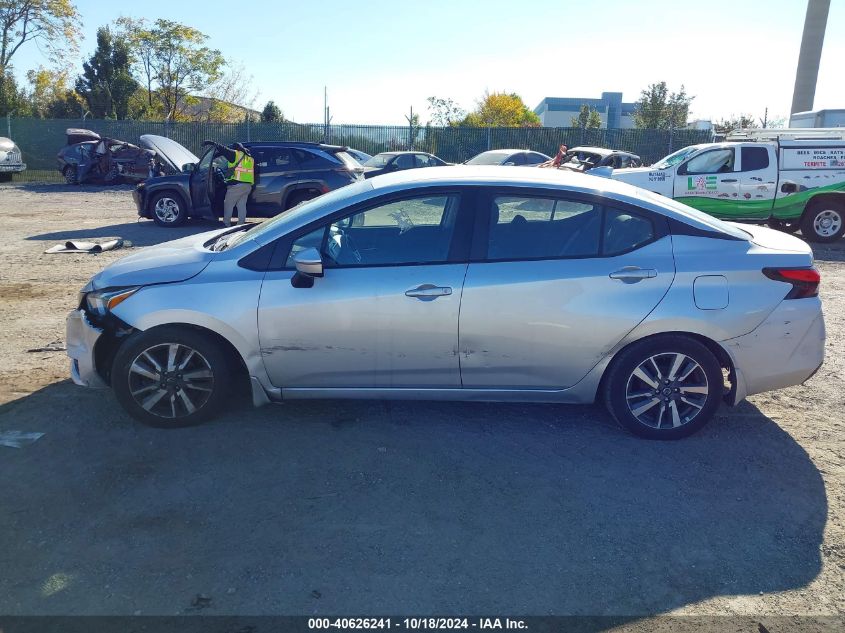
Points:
x=81, y=338
x=785, y=350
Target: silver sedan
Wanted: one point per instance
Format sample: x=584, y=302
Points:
x=460, y=283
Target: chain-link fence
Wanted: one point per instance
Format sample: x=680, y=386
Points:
x=41, y=139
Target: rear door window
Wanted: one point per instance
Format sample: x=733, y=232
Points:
x=754, y=158
x=312, y=160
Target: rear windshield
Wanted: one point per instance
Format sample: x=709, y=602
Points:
x=698, y=216
x=379, y=160
x=488, y=158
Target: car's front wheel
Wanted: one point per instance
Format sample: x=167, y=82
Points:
x=168, y=209
x=171, y=377
x=664, y=387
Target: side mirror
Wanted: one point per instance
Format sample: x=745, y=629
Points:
x=789, y=187
x=188, y=168
x=309, y=263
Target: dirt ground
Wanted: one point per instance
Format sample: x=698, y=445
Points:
x=384, y=508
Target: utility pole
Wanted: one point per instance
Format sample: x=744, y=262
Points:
x=327, y=119
x=410, y=119
x=765, y=118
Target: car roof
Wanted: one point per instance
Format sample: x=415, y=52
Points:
x=301, y=144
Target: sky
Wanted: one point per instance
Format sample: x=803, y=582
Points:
x=380, y=58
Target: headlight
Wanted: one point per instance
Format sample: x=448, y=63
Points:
x=104, y=301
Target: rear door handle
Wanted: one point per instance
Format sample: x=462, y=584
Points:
x=728, y=180
x=428, y=292
x=632, y=274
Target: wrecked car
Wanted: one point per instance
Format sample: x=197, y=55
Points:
x=586, y=158
x=89, y=157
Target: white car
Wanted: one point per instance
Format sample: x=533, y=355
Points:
x=11, y=161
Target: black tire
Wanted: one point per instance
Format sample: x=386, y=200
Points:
x=823, y=221
x=134, y=388
x=299, y=197
x=626, y=393
x=6, y=176
x=787, y=226
x=168, y=209
x=71, y=174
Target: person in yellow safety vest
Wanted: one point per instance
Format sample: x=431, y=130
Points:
x=240, y=177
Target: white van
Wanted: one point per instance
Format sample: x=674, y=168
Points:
x=789, y=178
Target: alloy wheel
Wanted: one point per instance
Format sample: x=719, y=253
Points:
x=167, y=210
x=827, y=223
x=667, y=390
x=170, y=380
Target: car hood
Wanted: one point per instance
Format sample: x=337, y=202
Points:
x=164, y=263
x=171, y=151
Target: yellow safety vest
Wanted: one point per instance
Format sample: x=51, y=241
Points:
x=243, y=169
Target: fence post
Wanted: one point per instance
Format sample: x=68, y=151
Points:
x=489, y=139
x=9, y=125
x=248, y=119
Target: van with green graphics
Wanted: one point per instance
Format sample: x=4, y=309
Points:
x=791, y=179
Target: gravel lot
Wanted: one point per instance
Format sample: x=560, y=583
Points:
x=385, y=508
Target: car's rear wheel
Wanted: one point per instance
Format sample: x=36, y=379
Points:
x=787, y=226
x=299, y=197
x=168, y=209
x=71, y=174
x=665, y=387
x=824, y=221
x=171, y=377
x=5, y=176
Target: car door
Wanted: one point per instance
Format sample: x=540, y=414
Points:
x=201, y=183
x=758, y=180
x=555, y=281
x=385, y=313
x=275, y=170
x=709, y=182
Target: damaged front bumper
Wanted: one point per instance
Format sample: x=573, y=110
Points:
x=81, y=339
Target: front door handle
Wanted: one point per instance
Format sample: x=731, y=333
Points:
x=633, y=274
x=428, y=292
x=728, y=180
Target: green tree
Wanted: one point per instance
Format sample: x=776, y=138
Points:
x=51, y=24
x=501, y=110
x=13, y=100
x=734, y=123
x=444, y=112
x=106, y=83
x=271, y=113
x=588, y=118
x=141, y=41
x=659, y=109
x=50, y=96
x=182, y=64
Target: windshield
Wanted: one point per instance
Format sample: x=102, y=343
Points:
x=488, y=158
x=293, y=215
x=170, y=149
x=379, y=160
x=673, y=159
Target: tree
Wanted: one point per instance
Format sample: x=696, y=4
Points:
x=444, y=112
x=12, y=99
x=181, y=63
x=106, y=83
x=271, y=113
x=659, y=109
x=53, y=24
x=588, y=118
x=734, y=123
x=501, y=110
x=138, y=35
x=50, y=96
x=232, y=95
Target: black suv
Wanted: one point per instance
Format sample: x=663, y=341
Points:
x=286, y=174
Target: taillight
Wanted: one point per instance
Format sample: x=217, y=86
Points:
x=805, y=281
